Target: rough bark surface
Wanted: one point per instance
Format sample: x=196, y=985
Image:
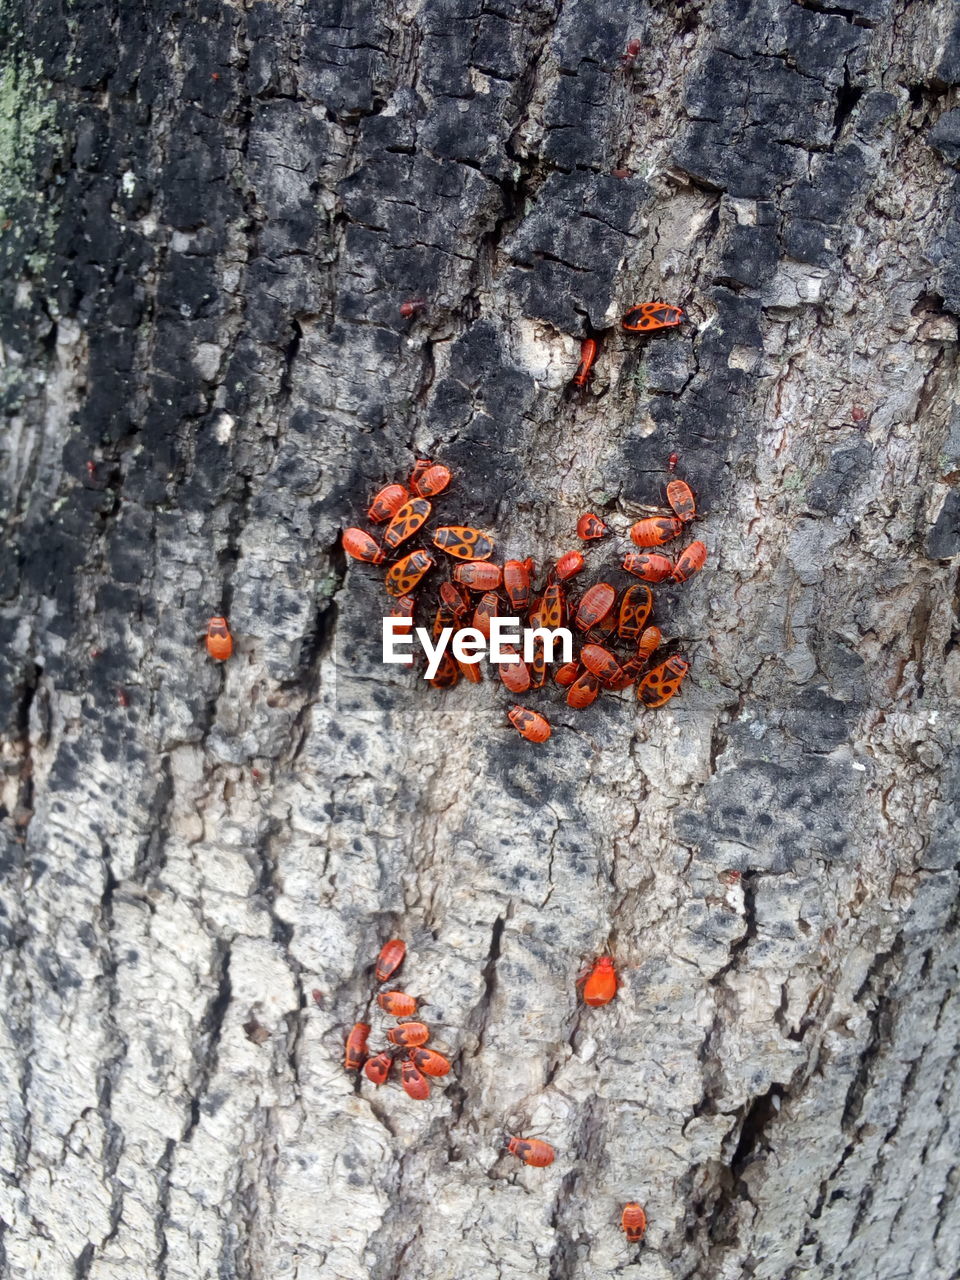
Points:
x=211, y=212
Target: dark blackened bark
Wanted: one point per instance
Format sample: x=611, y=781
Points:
x=211, y=214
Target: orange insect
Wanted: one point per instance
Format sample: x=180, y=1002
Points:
x=219, y=639
x=602, y=631
x=515, y=675
x=390, y=959
x=689, y=562
x=356, y=1048
x=648, y=643
x=588, y=353
x=529, y=724
x=600, y=662
x=531, y=1151
x=570, y=563
x=680, y=497
x=429, y=1062
x=649, y=316
x=631, y=670
x=404, y=609
x=411, y=308
x=600, y=985
x=634, y=1222
x=447, y=674
x=414, y=1082
x=409, y=1033
x=470, y=671
x=444, y=617
x=397, y=1003
x=583, y=691
x=487, y=608
x=433, y=481
x=657, y=531
x=516, y=581
x=630, y=54
x=553, y=610
x=406, y=573
x=595, y=605
x=455, y=598
x=360, y=546
x=478, y=577
x=420, y=468
x=529, y=566
x=378, y=1067
x=635, y=609
x=672, y=461
x=648, y=565
x=567, y=674
x=411, y=517
x=591, y=526
x=387, y=503
x=662, y=683
x=463, y=542
x=538, y=667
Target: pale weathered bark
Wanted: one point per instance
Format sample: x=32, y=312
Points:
x=211, y=214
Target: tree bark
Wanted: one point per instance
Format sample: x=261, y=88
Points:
x=211, y=213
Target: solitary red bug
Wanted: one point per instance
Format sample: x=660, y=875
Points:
x=219, y=639
x=429, y=1061
x=531, y=1151
x=634, y=1222
x=662, y=683
x=529, y=724
x=630, y=54
x=397, y=1003
x=91, y=468
x=463, y=542
x=478, y=577
x=390, y=959
x=123, y=698
x=600, y=985
x=656, y=531
x=356, y=1047
x=689, y=562
x=588, y=354
x=600, y=662
x=406, y=1034
x=516, y=582
x=411, y=308
x=387, y=502
x=411, y=516
x=649, y=316
x=680, y=497
x=590, y=526
x=406, y=573
x=595, y=605
x=648, y=565
x=672, y=461
x=433, y=481
x=361, y=546
x=583, y=691
x=414, y=1082
x=378, y=1067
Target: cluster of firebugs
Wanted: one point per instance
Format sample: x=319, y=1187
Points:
x=597, y=614
x=407, y=1040
x=473, y=594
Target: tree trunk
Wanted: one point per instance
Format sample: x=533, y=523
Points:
x=211, y=213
